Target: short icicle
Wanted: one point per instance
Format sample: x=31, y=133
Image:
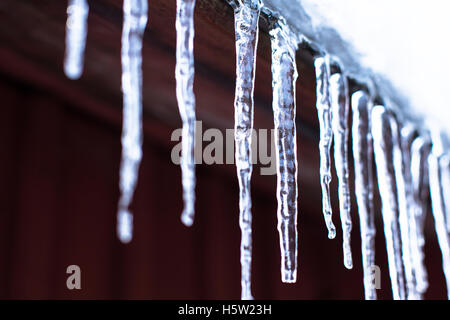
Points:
x=135, y=20
x=386, y=148
x=284, y=77
x=438, y=206
x=322, y=66
x=76, y=31
x=339, y=106
x=362, y=154
x=184, y=74
x=246, y=16
x=420, y=149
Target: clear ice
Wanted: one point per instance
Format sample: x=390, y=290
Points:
x=362, y=154
x=284, y=77
x=134, y=22
x=246, y=17
x=444, y=162
x=184, y=74
x=407, y=134
x=438, y=206
x=420, y=150
x=322, y=66
x=76, y=31
x=402, y=159
x=386, y=150
x=339, y=106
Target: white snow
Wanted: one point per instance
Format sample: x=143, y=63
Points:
x=403, y=45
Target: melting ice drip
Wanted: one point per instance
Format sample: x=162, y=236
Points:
x=405, y=164
x=362, y=154
x=284, y=77
x=134, y=22
x=246, y=15
x=76, y=30
x=184, y=74
x=332, y=110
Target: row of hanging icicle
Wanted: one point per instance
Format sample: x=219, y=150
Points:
x=408, y=164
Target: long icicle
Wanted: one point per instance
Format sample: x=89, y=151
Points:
x=339, y=106
x=76, y=31
x=135, y=20
x=385, y=141
x=284, y=77
x=246, y=17
x=322, y=66
x=184, y=74
x=438, y=206
x=362, y=154
x=444, y=163
x=420, y=150
x=407, y=133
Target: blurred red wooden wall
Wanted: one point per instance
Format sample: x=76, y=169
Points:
x=59, y=169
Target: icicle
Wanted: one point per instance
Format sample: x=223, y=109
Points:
x=322, y=66
x=76, y=30
x=438, y=206
x=406, y=201
x=340, y=105
x=386, y=149
x=246, y=17
x=284, y=76
x=184, y=74
x=420, y=150
x=135, y=20
x=362, y=154
x=444, y=162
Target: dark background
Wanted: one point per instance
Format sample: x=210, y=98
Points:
x=59, y=170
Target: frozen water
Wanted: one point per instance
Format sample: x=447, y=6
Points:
x=438, y=206
x=76, y=31
x=444, y=162
x=339, y=106
x=135, y=20
x=402, y=158
x=184, y=74
x=386, y=149
x=246, y=26
x=322, y=65
x=420, y=150
x=284, y=77
x=362, y=154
